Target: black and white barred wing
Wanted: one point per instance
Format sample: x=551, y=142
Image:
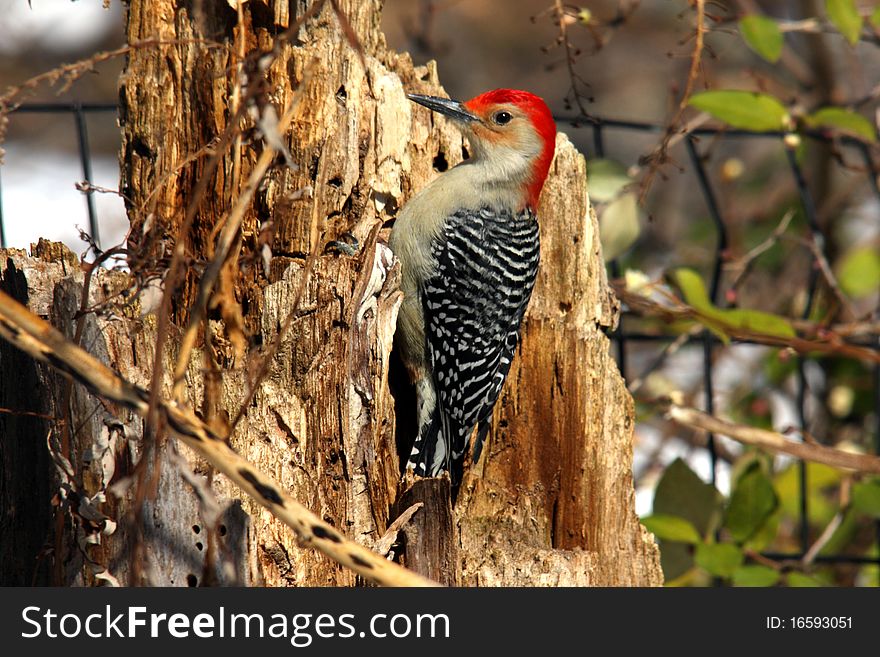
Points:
x=474, y=305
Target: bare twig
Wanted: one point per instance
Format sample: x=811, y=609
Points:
x=222, y=251
x=865, y=329
x=71, y=72
x=667, y=351
x=42, y=416
x=175, y=269
x=383, y=545
x=757, y=557
x=269, y=356
x=561, y=17
x=845, y=494
x=744, y=264
x=830, y=279
x=659, y=155
x=773, y=441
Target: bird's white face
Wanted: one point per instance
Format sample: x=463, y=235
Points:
x=504, y=138
x=502, y=124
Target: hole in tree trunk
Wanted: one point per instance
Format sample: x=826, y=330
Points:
x=404, y=394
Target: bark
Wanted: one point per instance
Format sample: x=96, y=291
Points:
x=551, y=502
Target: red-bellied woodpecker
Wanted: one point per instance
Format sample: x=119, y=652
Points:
x=468, y=245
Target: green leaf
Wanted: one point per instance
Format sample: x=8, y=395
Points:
x=846, y=18
x=671, y=528
x=619, y=226
x=693, y=288
x=820, y=478
x=762, y=35
x=866, y=498
x=766, y=533
x=844, y=120
x=799, y=580
x=859, y=271
x=606, y=178
x=721, y=559
x=757, y=321
x=695, y=295
x=680, y=492
x=717, y=319
x=752, y=502
x=755, y=575
x=743, y=109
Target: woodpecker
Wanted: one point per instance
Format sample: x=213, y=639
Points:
x=469, y=246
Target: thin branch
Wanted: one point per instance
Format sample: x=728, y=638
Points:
x=175, y=269
x=830, y=279
x=773, y=441
x=222, y=251
x=826, y=342
x=659, y=156
x=831, y=527
x=561, y=17
x=9, y=100
x=757, y=557
x=744, y=264
x=42, y=416
x=383, y=545
x=669, y=350
x=269, y=356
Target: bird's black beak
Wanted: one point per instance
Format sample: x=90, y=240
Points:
x=451, y=108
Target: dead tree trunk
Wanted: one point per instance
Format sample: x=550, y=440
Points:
x=552, y=499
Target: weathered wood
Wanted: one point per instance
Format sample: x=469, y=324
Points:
x=430, y=538
x=552, y=500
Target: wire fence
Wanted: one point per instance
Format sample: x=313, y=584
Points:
x=77, y=112
x=626, y=339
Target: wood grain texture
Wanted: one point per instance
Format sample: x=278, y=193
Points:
x=430, y=539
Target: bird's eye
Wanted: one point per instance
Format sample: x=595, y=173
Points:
x=502, y=118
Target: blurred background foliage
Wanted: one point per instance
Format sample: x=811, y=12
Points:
x=804, y=74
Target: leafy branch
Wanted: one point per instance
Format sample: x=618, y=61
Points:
x=655, y=300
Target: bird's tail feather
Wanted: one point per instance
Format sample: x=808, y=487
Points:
x=429, y=445
x=441, y=445
x=479, y=439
